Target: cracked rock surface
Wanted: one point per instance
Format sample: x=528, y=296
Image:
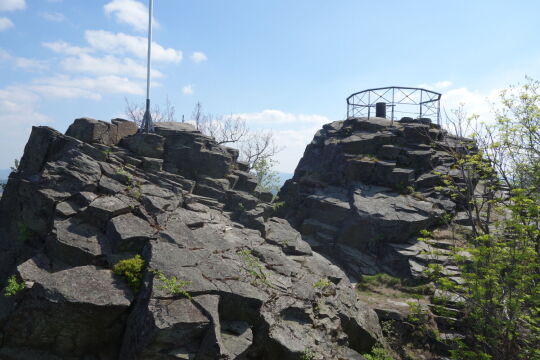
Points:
x=247, y=285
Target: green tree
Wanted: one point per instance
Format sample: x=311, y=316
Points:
x=267, y=178
x=501, y=195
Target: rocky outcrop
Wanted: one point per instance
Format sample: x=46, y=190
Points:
x=222, y=279
x=366, y=187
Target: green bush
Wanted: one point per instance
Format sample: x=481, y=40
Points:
x=13, y=286
x=131, y=270
x=322, y=283
x=378, y=353
x=369, y=281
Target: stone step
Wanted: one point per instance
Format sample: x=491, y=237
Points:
x=448, y=299
x=445, y=244
x=450, y=336
x=441, y=310
x=433, y=259
x=210, y=202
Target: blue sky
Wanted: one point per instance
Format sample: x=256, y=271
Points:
x=285, y=66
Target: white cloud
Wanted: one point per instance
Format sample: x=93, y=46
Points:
x=21, y=62
x=267, y=117
x=5, y=23
x=198, y=57
x=12, y=5
x=53, y=16
x=130, y=12
x=120, y=43
x=66, y=87
x=107, y=65
x=63, y=47
x=292, y=138
x=31, y=64
x=17, y=117
x=475, y=102
x=187, y=90
x=439, y=85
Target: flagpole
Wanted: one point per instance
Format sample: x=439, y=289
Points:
x=147, y=125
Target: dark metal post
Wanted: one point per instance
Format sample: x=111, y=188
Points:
x=147, y=125
x=421, y=105
x=369, y=105
x=380, y=110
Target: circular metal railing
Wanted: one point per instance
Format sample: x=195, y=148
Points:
x=395, y=102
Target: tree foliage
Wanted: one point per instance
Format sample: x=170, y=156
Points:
x=501, y=261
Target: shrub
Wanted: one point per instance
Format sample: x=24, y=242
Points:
x=322, y=283
x=131, y=270
x=172, y=285
x=253, y=266
x=378, y=353
x=307, y=355
x=13, y=286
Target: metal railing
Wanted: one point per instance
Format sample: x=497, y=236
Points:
x=397, y=102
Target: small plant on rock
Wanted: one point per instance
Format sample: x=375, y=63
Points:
x=128, y=178
x=277, y=205
x=171, y=284
x=322, y=284
x=378, y=353
x=135, y=190
x=253, y=266
x=24, y=232
x=131, y=270
x=13, y=287
x=307, y=355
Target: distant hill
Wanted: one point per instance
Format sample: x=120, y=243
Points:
x=284, y=177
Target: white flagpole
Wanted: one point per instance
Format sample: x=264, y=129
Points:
x=147, y=125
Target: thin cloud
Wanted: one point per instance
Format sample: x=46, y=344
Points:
x=130, y=12
x=439, y=85
x=67, y=87
x=5, y=23
x=187, y=90
x=121, y=43
x=107, y=65
x=12, y=5
x=267, y=117
x=63, y=47
x=53, y=16
x=22, y=62
x=198, y=57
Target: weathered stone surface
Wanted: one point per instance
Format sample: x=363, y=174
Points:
x=125, y=128
x=364, y=183
x=104, y=208
x=129, y=233
x=77, y=243
x=146, y=145
x=71, y=313
x=279, y=232
x=223, y=278
x=382, y=216
x=93, y=131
